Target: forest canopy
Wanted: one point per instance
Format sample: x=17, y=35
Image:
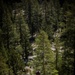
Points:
x=37, y=37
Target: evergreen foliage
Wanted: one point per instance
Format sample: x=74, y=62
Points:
x=37, y=32
x=44, y=54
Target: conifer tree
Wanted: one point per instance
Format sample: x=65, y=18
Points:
x=24, y=36
x=68, y=39
x=45, y=56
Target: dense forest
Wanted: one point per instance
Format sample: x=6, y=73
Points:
x=37, y=37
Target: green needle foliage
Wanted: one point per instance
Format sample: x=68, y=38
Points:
x=45, y=56
x=28, y=36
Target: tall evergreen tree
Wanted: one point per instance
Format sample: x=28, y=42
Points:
x=45, y=58
x=68, y=39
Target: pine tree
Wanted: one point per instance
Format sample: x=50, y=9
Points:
x=68, y=39
x=24, y=33
x=45, y=56
x=9, y=39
